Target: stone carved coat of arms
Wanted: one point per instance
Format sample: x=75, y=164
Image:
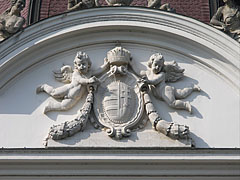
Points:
x=118, y=99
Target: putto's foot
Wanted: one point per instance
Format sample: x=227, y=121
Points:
x=189, y=107
x=196, y=87
x=39, y=89
x=47, y=108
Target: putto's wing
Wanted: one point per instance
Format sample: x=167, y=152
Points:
x=64, y=74
x=173, y=71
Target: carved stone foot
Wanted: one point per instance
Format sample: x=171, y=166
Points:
x=48, y=108
x=196, y=87
x=189, y=107
x=39, y=89
x=173, y=130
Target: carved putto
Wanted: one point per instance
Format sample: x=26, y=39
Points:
x=158, y=5
x=118, y=99
x=74, y=5
x=227, y=19
x=11, y=20
x=159, y=72
x=119, y=2
x=76, y=81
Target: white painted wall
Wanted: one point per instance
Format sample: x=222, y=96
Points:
x=210, y=59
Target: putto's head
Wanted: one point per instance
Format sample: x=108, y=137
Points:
x=82, y=62
x=156, y=62
x=226, y=1
x=20, y=4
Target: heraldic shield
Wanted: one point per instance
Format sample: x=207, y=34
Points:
x=118, y=103
x=117, y=94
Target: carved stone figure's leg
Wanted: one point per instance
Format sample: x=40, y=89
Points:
x=168, y=96
x=237, y=36
x=54, y=92
x=70, y=128
x=66, y=104
x=172, y=130
x=183, y=93
x=1, y=36
x=167, y=7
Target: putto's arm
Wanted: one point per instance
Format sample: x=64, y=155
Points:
x=154, y=3
x=136, y=70
x=102, y=68
x=216, y=19
x=73, y=7
x=158, y=78
x=85, y=81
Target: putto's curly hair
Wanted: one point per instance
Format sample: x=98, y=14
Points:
x=155, y=56
x=83, y=56
x=14, y=2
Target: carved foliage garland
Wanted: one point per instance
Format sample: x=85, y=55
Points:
x=118, y=97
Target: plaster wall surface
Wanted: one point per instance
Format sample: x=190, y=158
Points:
x=209, y=57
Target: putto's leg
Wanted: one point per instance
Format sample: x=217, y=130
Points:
x=178, y=104
x=66, y=104
x=168, y=96
x=57, y=93
x=183, y=93
x=44, y=88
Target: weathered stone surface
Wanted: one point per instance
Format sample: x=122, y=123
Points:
x=227, y=19
x=11, y=20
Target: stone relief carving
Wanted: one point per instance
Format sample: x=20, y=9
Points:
x=227, y=19
x=76, y=83
x=119, y=2
x=118, y=101
x=159, y=72
x=11, y=20
x=158, y=5
x=74, y=5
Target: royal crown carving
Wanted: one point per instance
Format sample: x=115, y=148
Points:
x=118, y=99
x=119, y=56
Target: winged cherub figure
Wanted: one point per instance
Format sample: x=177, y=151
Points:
x=159, y=72
x=77, y=81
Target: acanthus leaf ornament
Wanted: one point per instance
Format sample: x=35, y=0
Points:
x=118, y=97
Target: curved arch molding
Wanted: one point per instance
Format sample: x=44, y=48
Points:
x=210, y=58
x=134, y=25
